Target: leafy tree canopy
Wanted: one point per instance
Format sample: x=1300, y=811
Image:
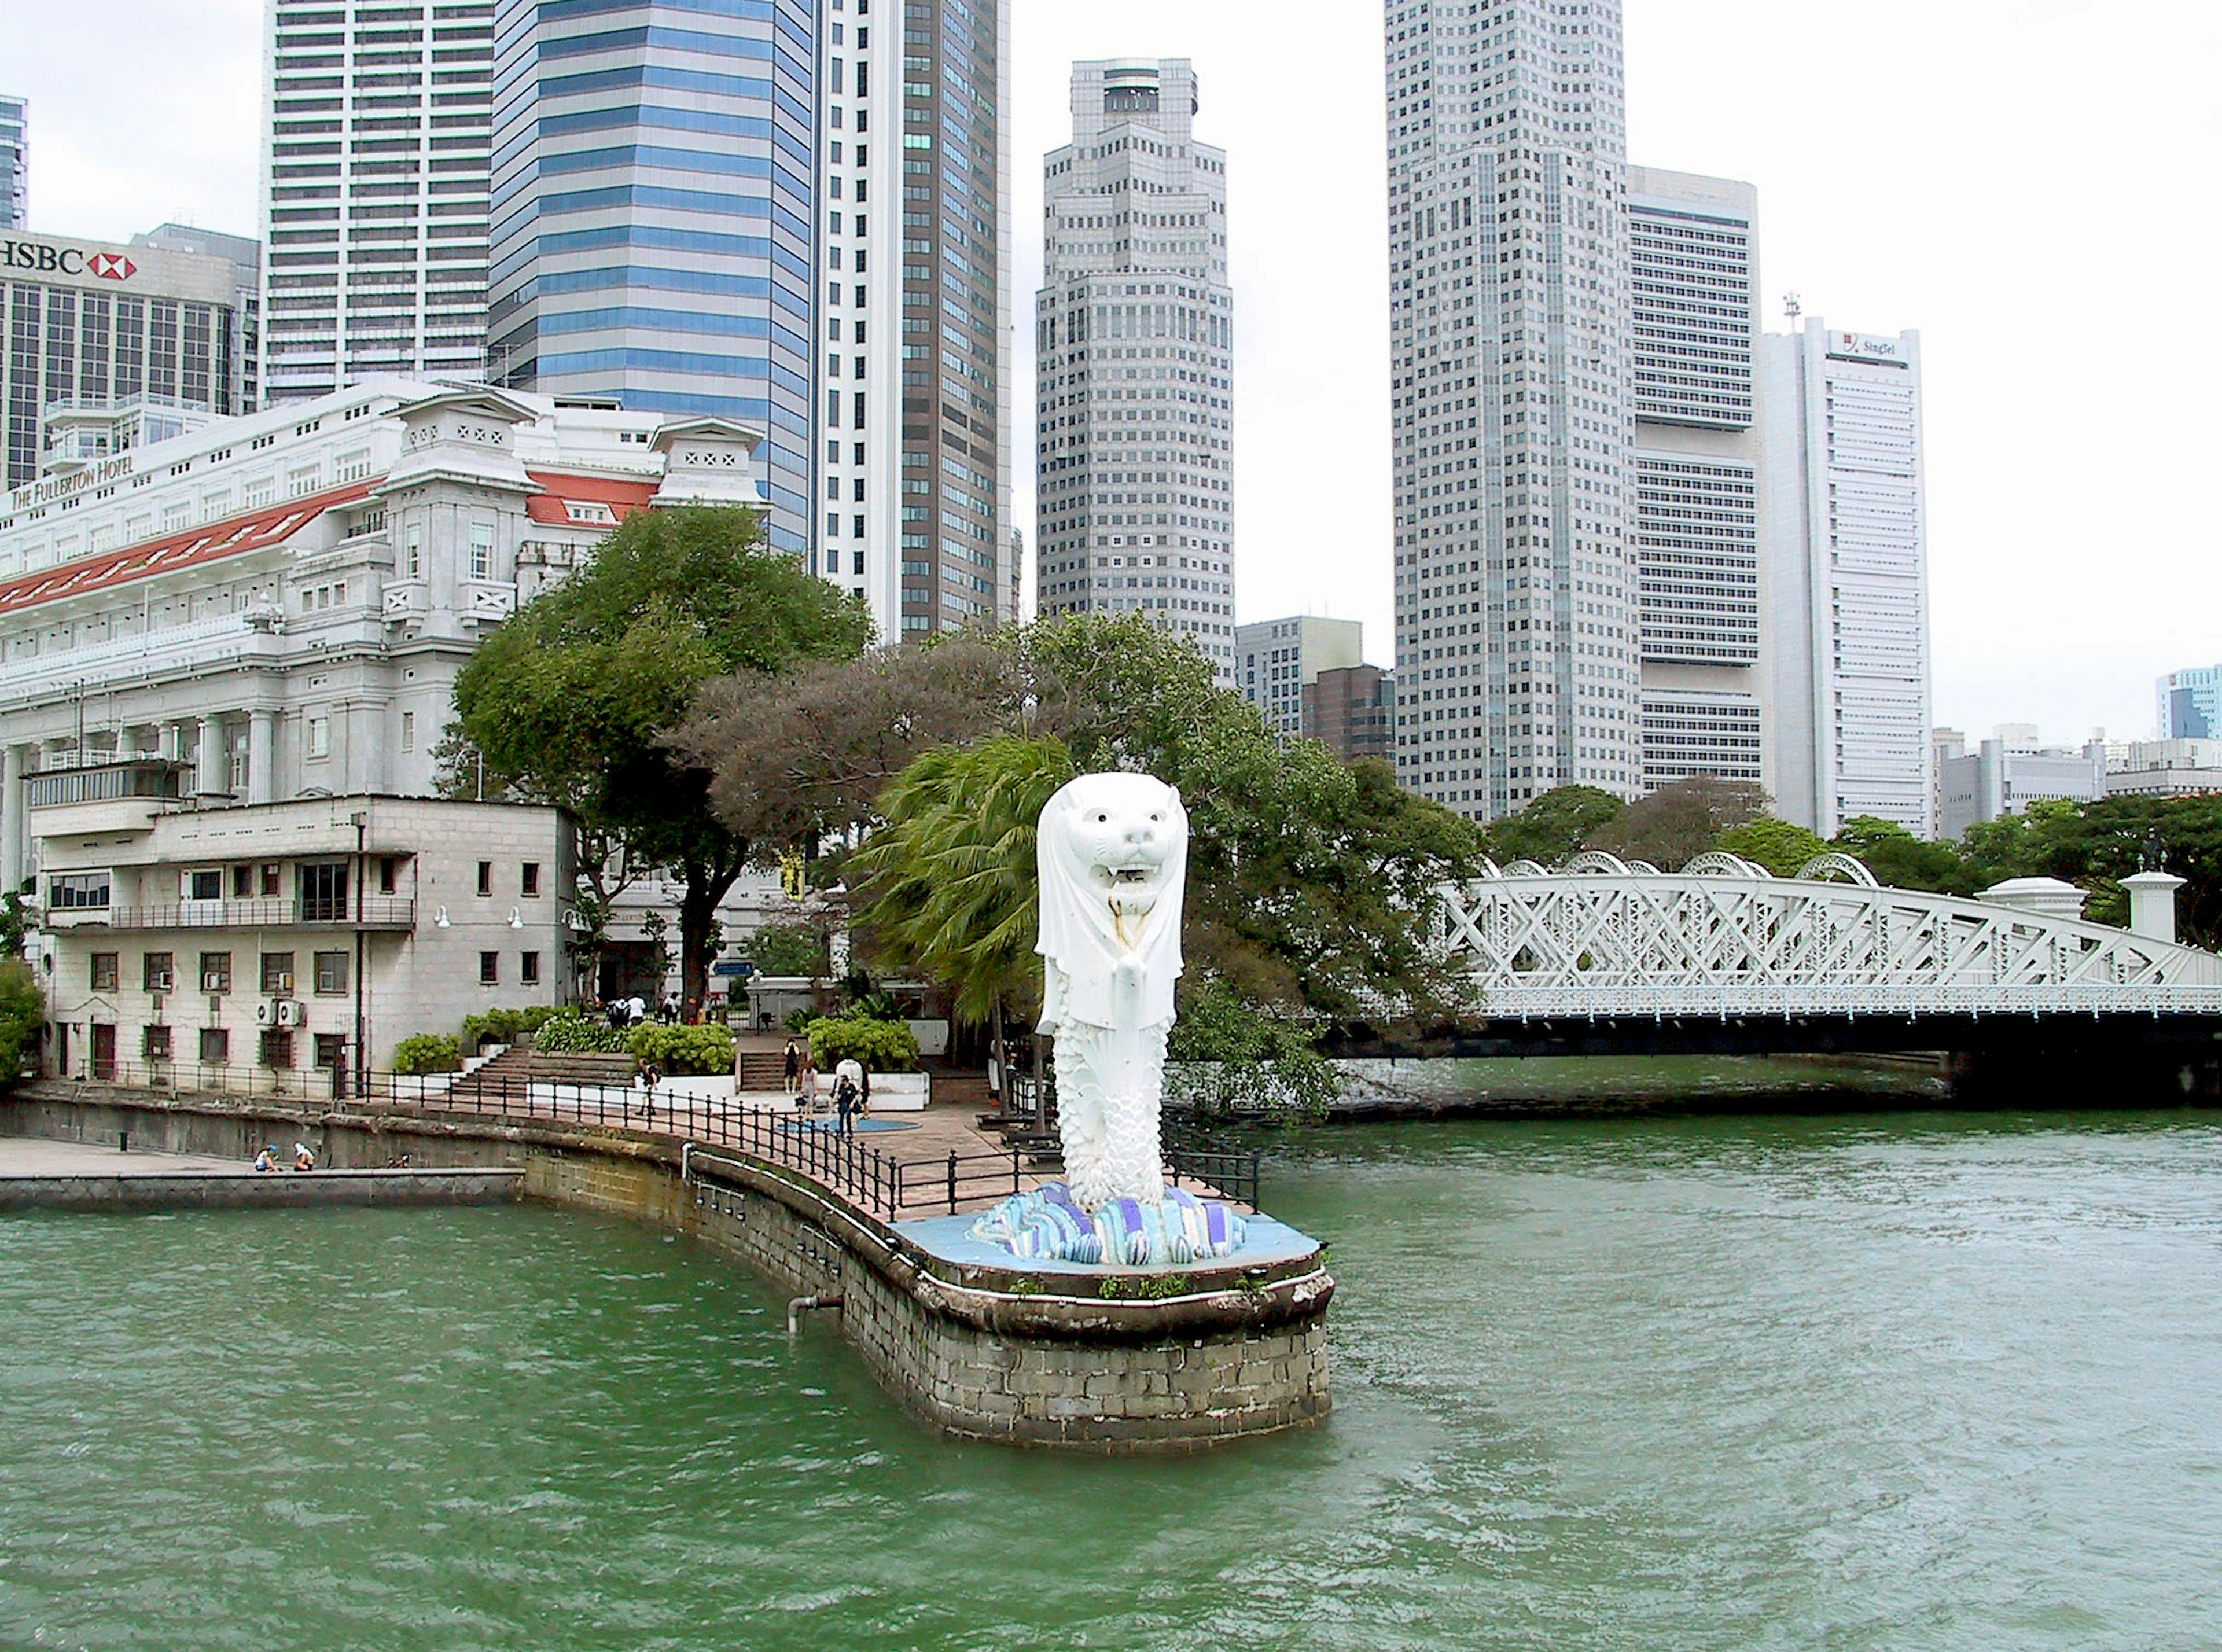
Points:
x=574, y=700
x=1778, y=846
x=22, y=1009
x=1677, y=823
x=1555, y=825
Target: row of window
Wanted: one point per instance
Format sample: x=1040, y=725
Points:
x=158, y=972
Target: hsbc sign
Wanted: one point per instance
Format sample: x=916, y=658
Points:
x=37, y=258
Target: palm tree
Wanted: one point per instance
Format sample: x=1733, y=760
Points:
x=949, y=881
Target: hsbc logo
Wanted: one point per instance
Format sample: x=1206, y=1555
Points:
x=65, y=261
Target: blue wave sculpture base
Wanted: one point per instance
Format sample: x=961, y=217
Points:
x=1045, y=1225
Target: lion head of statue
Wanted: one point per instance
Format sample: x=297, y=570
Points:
x=1112, y=850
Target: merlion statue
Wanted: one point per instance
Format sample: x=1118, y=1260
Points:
x=1113, y=853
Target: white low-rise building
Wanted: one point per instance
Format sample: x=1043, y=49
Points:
x=284, y=948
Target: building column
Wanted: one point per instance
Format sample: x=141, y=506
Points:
x=11, y=817
x=212, y=762
x=261, y=757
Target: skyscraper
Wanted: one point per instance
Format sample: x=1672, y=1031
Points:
x=1134, y=346
x=1695, y=321
x=375, y=191
x=15, y=163
x=1844, y=538
x=654, y=208
x=951, y=499
x=1517, y=664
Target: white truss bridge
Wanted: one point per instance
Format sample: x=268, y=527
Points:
x=1599, y=939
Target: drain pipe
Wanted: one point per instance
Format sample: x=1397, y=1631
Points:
x=797, y=1306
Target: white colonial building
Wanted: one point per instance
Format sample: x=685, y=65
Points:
x=261, y=947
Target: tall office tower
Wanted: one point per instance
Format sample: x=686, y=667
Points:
x=15, y=163
x=955, y=245
x=1513, y=400
x=375, y=154
x=655, y=209
x=1695, y=325
x=1134, y=341
x=110, y=346
x=1844, y=536
x=246, y=255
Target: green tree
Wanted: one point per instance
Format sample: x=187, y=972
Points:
x=789, y=950
x=1678, y=822
x=1777, y=845
x=1555, y=825
x=573, y=701
x=1898, y=858
x=949, y=881
x=22, y=1011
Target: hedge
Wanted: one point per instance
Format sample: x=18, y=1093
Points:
x=499, y=1026
x=679, y=1051
x=427, y=1053
x=571, y=1033
x=882, y=1046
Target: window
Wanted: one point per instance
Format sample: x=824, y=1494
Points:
x=215, y=1047
x=530, y=879
x=242, y=883
x=277, y=973
x=485, y=877
x=274, y=1048
x=324, y=892
x=76, y=891
x=269, y=881
x=331, y=1050
x=103, y=972
x=216, y=973
x=154, y=1043
x=204, y=886
x=331, y=971
x=320, y=737
x=156, y=973
x=481, y=550
x=412, y=551
x=389, y=874
x=489, y=968
x=527, y=968
x=408, y=731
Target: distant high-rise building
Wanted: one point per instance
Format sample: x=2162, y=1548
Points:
x=1135, y=339
x=1695, y=325
x=245, y=254
x=945, y=515
x=129, y=342
x=1844, y=543
x=375, y=160
x=1513, y=400
x=15, y=163
x=1275, y=660
x=655, y=216
x=1351, y=709
x=2190, y=703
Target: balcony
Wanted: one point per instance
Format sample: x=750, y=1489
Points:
x=379, y=912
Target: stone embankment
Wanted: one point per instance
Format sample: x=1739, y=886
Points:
x=1103, y=1360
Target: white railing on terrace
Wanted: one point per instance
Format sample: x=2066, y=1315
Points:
x=1722, y=938
x=219, y=638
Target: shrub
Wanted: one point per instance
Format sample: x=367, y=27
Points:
x=882, y=1046
x=22, y=1009
x=499, y=1026
x=427, y=1053
x=678, y=1050
x=571, y=1033
x=798, y=1021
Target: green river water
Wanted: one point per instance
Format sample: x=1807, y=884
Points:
x=1898, y=1381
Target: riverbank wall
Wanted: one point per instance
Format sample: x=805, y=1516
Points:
x=1112, y=1362
x=171, y=1189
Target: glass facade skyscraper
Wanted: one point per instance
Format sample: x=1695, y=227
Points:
x=653, y=208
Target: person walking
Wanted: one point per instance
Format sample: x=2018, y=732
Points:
x=844, y=1100
x=794, y=1060
x=806, y=1084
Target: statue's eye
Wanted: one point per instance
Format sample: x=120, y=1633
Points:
x=1156, y=817
x=1102, y=819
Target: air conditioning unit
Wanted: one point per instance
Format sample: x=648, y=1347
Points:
x=213, y=985
x=161, y=983
x=286, y=982
x=292, y=1014
x=265, y=1013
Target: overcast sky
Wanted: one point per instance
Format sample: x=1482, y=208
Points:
x=2029, y=182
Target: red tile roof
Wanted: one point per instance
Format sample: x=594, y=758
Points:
x=212, y=541
x=623, y=495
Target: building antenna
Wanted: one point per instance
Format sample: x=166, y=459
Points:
x=1791, y=309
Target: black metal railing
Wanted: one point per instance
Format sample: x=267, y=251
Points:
x=379, y=912
x=887, y=1186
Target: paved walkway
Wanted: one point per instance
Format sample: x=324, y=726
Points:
x=25, y=1156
